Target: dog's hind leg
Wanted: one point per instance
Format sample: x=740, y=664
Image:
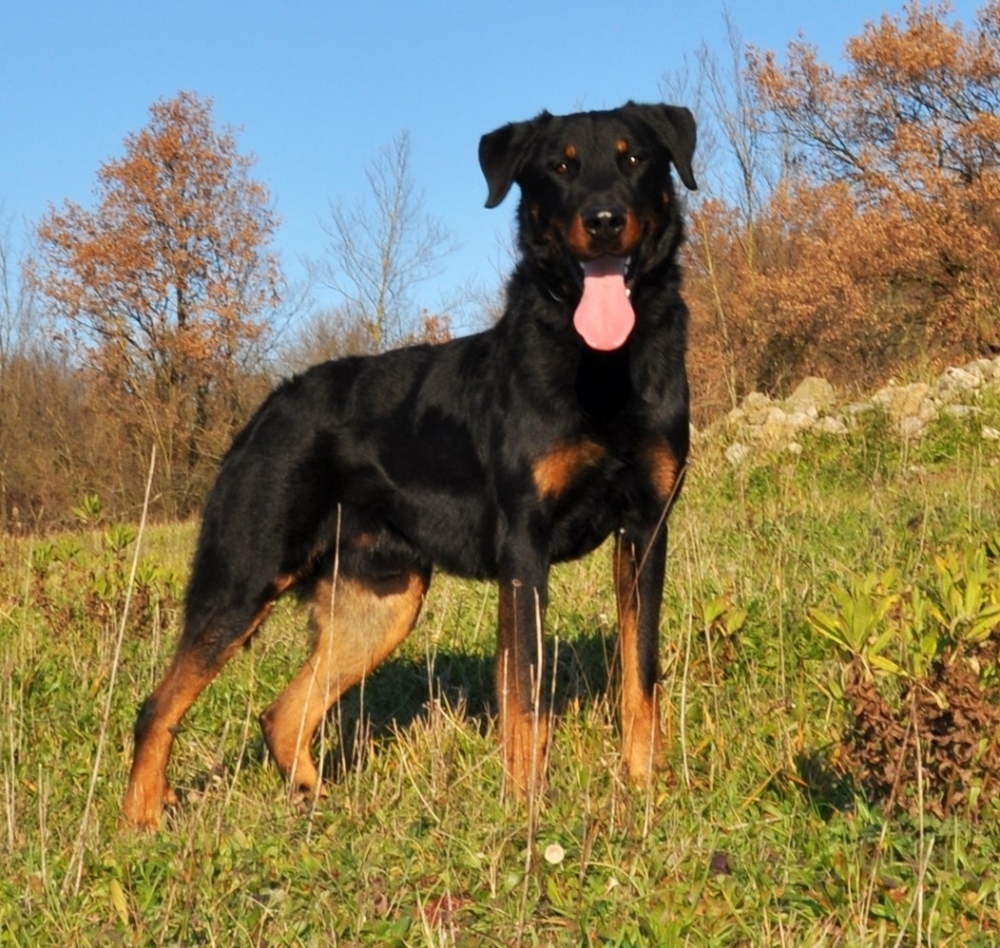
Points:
x=357, y=623
x=202, y=651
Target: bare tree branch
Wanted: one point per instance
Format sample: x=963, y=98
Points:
x=382, y=247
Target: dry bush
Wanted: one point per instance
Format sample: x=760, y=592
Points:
x=934, y=750
x=877, y=247
x=162, y=291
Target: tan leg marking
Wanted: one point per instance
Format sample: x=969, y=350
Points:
x=356, y=624
x=148, y=791
x=524, y=724
x=642, y=743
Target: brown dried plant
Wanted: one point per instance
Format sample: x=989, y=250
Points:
x=877, y=246
x=163, y=288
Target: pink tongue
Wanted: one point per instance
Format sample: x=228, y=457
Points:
x=604, y=317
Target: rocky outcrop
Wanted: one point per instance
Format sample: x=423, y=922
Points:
x=762, y=422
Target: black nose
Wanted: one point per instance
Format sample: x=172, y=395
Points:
x=607, y=220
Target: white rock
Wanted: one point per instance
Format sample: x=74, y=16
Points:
x=755, y=407
x=831, y=425
x=962, y=411
x=912, y=426
x=954, y=382
x=801, y=420
x=813, y=395
x=987, y=369
x=737, y=453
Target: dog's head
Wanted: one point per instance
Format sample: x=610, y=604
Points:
x=598, y=213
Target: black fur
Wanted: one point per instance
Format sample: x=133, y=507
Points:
x=434, y=455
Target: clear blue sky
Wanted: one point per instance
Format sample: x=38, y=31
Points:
x=316, y=88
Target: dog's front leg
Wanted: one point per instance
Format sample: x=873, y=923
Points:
x=639, y=568
x=519, y=668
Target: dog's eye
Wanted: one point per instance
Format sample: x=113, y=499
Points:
x=562, y=167
x=633, y=161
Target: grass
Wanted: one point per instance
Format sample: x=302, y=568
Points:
x=754, y=839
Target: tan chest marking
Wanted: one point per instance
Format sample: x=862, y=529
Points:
x=554, y=472
x=664, y=469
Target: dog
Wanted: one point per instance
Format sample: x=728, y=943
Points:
x=491, y=456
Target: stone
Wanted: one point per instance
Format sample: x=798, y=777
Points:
x=831, y=425
x=737, y=453
x=909, y=406
x=755, y=408
x=812, y=396
x=956, y=382
x=911, y=426
x=962, y=411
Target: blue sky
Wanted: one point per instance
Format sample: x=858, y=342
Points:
x=315, y=89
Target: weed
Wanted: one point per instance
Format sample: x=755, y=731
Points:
x=921, y=682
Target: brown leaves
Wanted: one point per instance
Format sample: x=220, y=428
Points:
x=941, y=736
x=879, y=242
x=164, y=287
x=169, y=277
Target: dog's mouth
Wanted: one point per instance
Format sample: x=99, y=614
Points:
x=604, y=317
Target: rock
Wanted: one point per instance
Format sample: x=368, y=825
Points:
x=800, y=420
x=761, y=423
x=756, y=400
x=909, y=406
x=813, y=396
x=988, y=370
x=737, y=453
x=831, y=425
x=775, y=426
x=911, y=426
x=962, y=411
x=755, y=408
x=955, y=382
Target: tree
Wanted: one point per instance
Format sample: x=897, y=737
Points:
x=920, y=100
x=877, y=245
x=165, y=286
x=911, y=129
x=16, y=301
x=381, y=248
x=739, y=161
x=16, y=312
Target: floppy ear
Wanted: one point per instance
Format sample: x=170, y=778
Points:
x=502, y=155
x=676, y=128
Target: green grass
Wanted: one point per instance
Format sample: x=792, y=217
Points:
x=754, y=839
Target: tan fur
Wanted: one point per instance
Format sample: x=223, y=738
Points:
x=640, y=714
x=554, y=472
x=356, y=626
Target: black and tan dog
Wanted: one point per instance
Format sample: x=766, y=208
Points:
x=491, y=456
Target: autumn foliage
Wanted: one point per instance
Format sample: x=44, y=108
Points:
x=164, y=288
x=877, y=246
x=861, y=243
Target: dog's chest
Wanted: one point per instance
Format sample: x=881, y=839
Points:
x=586, y=489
